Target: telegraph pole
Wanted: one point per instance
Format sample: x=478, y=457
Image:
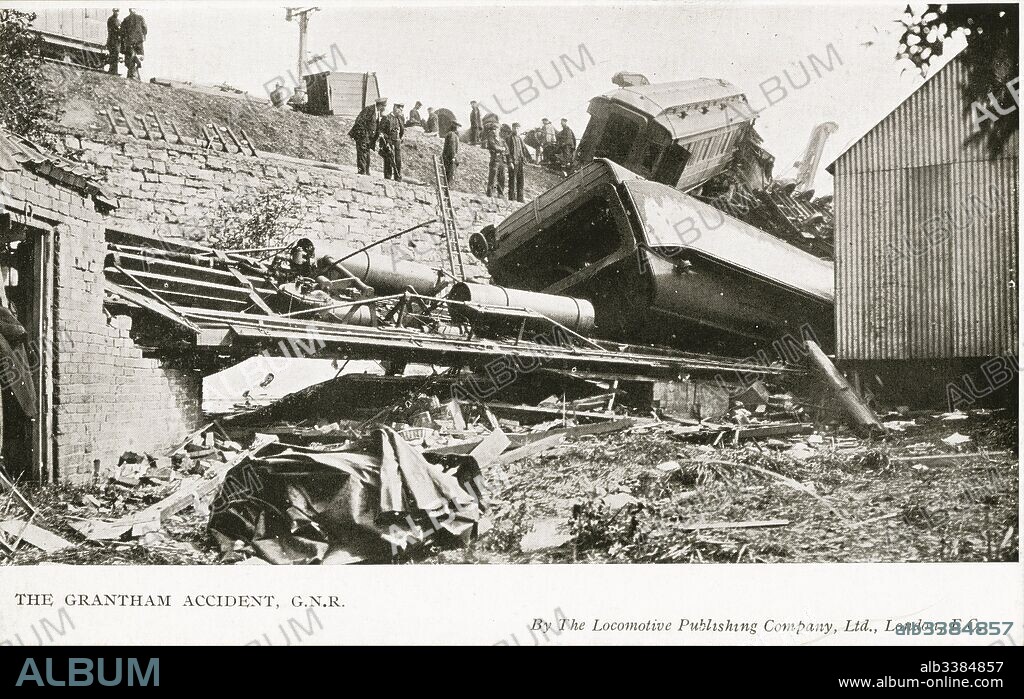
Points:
x=302, y=14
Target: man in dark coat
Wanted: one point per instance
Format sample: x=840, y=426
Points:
x=476, y=123
x=133, y=36
x=566, y=145
x=450, y=152
x=113, y=41
x=549, y=139
x=391, y=130
x=364, y=133
x=498, y=149
x=516, y=161
x=414, y=116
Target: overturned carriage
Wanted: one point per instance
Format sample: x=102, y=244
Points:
x=679, y=133
x=659, y=266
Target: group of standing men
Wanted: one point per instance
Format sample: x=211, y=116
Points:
x=373, y=127
x=127, y=37
x=508, y=156
x=508, y=153
x=556, y=147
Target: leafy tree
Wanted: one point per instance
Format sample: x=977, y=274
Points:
x=25, y=105
x=258, y=218
x=991, y=61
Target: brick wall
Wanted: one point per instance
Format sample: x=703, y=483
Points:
x=175, y=190
x=107, y=397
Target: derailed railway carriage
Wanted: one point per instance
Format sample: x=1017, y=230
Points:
x=658, y=265
x=679, y=133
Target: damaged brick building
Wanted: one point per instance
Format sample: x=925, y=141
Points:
x=97, y=389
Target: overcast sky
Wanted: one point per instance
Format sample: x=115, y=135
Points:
x=445, y=54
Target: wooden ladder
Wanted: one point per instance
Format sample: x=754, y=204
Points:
x=451, y=233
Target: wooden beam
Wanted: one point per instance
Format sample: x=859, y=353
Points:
x=752, y=524
x=36, y=536
x=529, y=450
x=489, y=448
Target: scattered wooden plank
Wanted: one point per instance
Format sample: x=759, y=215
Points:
x=861, y=417
x=36, y=536
x=455, y=410
x=933, y=460
x=752, y=524
x=529, y=450
x=577, y=431
x=785, y=429
x=489, y=448
x=795, y=485
x=22, y=500
x=544, y=413
x=98, y=530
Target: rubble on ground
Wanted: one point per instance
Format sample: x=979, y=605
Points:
x=580, y=480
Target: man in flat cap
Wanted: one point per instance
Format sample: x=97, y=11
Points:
x=364, y=133
x=498, y=149
x=133, y=36
x=566, y=146
x=516, y=161
x=548, y=141
x=414, y=116
x=476, y=124
x=450, y=152
x=391, y=130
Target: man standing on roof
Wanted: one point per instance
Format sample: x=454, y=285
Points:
x=133, y=36
x=431, y=121
x=516, y=161
x=566, y=146
x=450, y=152
x=364, y=133
x=113, y=41
x=498, y=149
x=476, y=124
x=391, y=130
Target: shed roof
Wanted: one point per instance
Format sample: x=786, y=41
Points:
x=830, y=168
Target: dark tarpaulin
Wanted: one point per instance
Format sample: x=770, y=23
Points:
x=304, y=506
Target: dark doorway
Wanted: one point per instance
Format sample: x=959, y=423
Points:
x=25, y=350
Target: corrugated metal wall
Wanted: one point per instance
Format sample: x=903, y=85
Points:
x=926, y=235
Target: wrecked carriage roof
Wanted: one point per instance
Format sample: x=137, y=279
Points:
x=678, y=105
x=673, y=219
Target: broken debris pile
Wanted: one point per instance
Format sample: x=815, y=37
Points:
x=366, y=503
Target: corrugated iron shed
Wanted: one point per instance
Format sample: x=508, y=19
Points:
x=926, y=235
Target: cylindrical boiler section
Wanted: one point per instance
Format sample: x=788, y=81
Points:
x=575, y=314
x=384, y=274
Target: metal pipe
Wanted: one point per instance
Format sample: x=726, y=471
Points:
x=383, y=273
x=576, y=315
